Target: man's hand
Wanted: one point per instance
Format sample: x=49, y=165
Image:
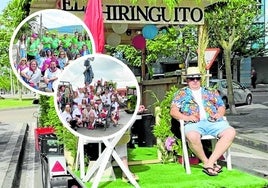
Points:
x=192, y=118
x=216, y=116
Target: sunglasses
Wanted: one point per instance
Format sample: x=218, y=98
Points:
x=196, y=78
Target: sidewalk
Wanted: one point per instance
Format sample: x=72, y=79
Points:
x=13, y=135
x=16, y=96
x=250, y=148
x=250, y=124
x=12, y=141
x=260, y=88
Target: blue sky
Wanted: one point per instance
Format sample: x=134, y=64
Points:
x=63, y=19
x=55, y=18
x=105, y=67
x=3, y=5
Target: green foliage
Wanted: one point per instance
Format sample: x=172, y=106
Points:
x=176, y=42
x=15, y=103
x=169, y=3
x=132, y=55
x=228, y=23
x=153, y=95
x=231, y=20
x=9, y=20
x=43, y=111
x=252, y=44
x=5, y=83
x=111, y=82
x=131, y=102
x=162, y=128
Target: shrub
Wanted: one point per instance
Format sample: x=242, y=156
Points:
x=162, y=129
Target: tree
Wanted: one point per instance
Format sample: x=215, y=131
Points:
x=252, y=43
x=228, y=22
x=203, y=40
x=9, y=20
x=174, y=42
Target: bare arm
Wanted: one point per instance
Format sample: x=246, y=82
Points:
x=23, y=74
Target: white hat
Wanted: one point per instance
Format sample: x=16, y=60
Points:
x=192, y=72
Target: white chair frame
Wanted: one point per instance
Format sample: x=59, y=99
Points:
x=185, y=155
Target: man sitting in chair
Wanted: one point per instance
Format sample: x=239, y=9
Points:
x=202, y=109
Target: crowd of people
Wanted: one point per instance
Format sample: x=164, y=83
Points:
x=89, y=106
x=42, y=58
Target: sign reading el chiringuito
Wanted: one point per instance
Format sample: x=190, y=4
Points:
x=188, y=12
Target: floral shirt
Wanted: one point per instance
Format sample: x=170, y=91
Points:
x=187, y=105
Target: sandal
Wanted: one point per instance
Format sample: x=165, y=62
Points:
x=217, y=168
x=126, y=180
x=209, y=171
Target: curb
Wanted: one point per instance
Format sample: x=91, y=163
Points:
x=261, y=90
x=251, y=143
x=15, y=108
x=16, y=150
x=248, y=170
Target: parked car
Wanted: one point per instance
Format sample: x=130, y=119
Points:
x=242, y=95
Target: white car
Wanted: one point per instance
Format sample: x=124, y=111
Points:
x=242, y=95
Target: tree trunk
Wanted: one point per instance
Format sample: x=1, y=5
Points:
x=202, y=46
x=230, y=93
x=143, y=58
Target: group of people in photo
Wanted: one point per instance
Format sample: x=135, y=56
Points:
x=91, y=106
x=41, y=59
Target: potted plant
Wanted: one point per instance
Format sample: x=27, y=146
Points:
x=168, y=145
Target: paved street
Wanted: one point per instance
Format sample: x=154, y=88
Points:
x=250, y=151
x=31, y=167
x=23, y=115
x=13, y=144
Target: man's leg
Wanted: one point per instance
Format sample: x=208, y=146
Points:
x=195, y=144
x=225, y=140
x=193, y=134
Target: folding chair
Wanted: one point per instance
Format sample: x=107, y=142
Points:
x=185, y=156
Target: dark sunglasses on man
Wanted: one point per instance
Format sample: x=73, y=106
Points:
x=194, y=78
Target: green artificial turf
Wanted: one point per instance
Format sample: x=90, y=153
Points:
x=172, y=175
x=12, y=103
x=142, y=153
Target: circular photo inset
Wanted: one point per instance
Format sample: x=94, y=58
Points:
x=97, y=97
x=44, y=44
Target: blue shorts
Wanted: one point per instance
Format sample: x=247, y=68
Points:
x=205, y=127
